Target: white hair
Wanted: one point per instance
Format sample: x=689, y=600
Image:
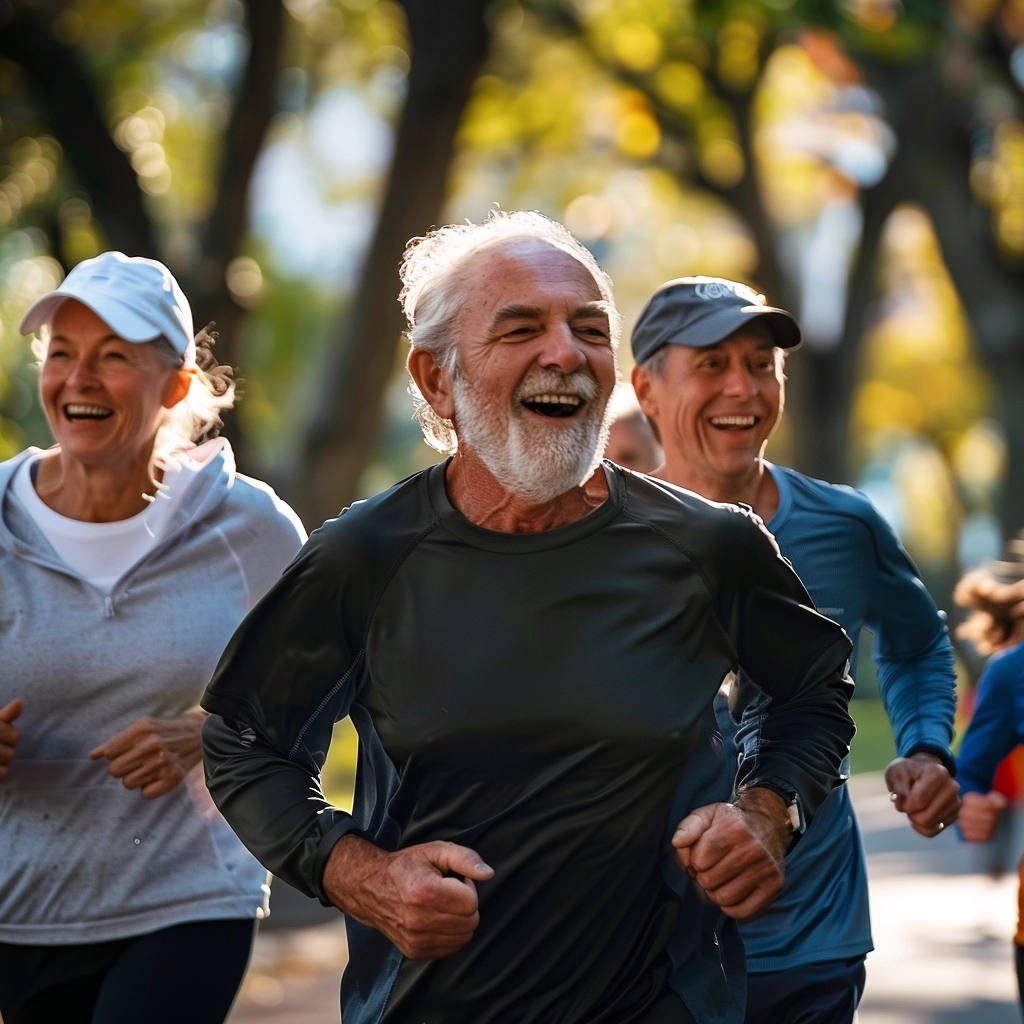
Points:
x=432, y=292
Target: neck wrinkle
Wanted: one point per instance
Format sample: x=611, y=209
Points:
x=485, y=503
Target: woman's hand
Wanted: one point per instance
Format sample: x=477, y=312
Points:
x=154, y=754
x=8, y=733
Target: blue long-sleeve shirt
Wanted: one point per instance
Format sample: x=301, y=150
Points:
x=858, y=573
x=997, y=725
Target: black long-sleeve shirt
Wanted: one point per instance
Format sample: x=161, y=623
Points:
x=537, y=697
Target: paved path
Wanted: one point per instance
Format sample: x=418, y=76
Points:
x=942, y=934
x=942, y=928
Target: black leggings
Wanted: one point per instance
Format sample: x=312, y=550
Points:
x=188, y=972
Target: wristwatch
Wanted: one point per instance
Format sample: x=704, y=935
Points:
x=794, y=808
x=795, y=816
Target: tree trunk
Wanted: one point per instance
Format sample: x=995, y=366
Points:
x=449, y=44
x=992, y=292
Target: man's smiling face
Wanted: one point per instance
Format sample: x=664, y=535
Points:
x=535, y=368
x=715, y=407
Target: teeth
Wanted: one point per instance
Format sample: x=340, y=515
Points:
x=92, y=411
x=552, y=399
x=733, y=421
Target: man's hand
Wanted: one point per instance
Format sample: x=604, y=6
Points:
x=979, y=814
x=422, y=898
x=734, y=852
x=154, y=754
x=8, y=733
x=921, y=787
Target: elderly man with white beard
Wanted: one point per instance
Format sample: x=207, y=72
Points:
x=528, y=641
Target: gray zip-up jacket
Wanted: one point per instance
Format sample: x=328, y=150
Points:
x=82, y=859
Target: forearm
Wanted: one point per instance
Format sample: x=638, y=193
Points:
x=920, y=699
x=274, y=806
x=797, y=744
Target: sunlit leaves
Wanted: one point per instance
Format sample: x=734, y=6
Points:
x=27, y=176
x=739, y=59
x=919, y=372
x=680, y=84
x=1005, y=189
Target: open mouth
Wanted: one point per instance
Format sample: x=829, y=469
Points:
x=733, y=422
x=87, y=412
x=554, y=405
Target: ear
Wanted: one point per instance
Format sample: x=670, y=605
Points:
x=177, y=387
x=433, y=380
x=644, y=392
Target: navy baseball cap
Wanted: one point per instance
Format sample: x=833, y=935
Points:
x=701, y=311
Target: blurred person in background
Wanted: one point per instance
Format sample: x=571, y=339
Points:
x=631, y=442
x=995, y=625
x=129, y=553
x=709, y=376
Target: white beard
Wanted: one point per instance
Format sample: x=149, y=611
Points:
x=534, y=463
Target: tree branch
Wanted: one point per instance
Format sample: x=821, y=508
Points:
x=67, y=97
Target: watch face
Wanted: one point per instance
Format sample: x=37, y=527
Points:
x=796, y=822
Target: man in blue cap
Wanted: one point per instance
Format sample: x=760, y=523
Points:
x=709, y=376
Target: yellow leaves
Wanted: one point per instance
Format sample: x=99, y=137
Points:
x=979, y=455
x=920, y=377
x=721, y=159
x=738, y=56
x=636, y=45
x=680, y=84
x=1000, y=180
x=30, y=176
x=637, y=134
x=873, y=15
x=924, y=482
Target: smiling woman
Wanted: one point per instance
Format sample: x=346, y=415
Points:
x=120, y=876
x=104, y=399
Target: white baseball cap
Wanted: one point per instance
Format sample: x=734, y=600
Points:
x=136, y=297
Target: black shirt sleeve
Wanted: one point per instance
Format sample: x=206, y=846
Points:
x=796, y=730
x=290, y=671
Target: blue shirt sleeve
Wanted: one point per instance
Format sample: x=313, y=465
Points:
x=996, y=726
x=911, y=648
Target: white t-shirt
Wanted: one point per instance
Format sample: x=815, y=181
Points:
x=102, y=552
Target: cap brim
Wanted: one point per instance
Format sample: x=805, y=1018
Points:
x=784, y=328
x=716, y=326
x=122, y=320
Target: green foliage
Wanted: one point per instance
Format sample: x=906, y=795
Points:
x=872, y=748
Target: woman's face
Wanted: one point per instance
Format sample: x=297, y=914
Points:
x=103, y=396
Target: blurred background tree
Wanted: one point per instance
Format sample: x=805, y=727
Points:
x=859, y=161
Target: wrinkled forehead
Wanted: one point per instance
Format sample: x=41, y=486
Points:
x=547, y=260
